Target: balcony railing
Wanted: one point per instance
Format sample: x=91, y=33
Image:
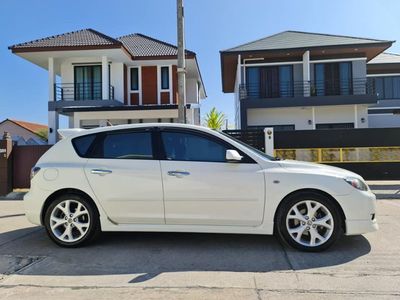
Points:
x=81, y=91
x=307, y=88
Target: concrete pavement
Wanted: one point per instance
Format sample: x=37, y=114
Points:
x=196, y=266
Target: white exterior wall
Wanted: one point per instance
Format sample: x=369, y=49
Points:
x=192, y=91
x=280, y=116
x=17, y=133
x=300, y=116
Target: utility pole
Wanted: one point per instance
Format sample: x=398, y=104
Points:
x=181, y=64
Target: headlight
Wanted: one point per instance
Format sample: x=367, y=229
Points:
x=357, y=183
x=34, y=171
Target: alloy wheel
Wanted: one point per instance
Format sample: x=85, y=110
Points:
x=69, y=221
x=309, y=223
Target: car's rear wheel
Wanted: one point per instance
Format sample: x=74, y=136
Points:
x=309, y=221
x=71, y=221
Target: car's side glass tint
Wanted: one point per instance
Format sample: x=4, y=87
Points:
x=191, y=147
x=82, y=144
x=127, y=145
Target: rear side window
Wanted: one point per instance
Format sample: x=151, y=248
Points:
x=127, y=145
x=82, y=144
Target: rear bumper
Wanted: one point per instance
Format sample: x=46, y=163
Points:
x=33, y=204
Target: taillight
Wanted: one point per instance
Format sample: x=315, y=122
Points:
x=34, y=171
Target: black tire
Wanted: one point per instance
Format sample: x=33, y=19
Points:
x=282, y=231
x=92, y=231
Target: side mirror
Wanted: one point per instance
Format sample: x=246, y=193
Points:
x=233, y=156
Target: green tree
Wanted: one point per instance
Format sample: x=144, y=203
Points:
x=215, y=119
x=43, y=133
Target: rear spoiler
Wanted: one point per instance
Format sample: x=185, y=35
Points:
x=69, y=132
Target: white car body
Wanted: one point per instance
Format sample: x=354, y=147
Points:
x=217, y=197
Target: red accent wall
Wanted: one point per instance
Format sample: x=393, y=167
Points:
x=149, y=85
x=134, y=99
x=164, y=97
x=175, y=84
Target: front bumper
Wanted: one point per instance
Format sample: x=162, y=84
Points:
x=360, y=211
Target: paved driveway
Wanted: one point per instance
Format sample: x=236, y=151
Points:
x=196, y=266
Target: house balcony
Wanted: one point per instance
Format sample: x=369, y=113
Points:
x=308, y=93
x=67, y=95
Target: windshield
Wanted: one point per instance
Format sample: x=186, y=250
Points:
x=250, y=148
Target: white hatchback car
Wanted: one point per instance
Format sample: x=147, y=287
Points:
x=183, y=178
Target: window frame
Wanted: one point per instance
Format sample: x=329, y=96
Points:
x=130, y=79
x=99, y=140
x=161, y=78
x=162, y=153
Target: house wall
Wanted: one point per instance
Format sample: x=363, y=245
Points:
x=300, y=116
x=383, y=120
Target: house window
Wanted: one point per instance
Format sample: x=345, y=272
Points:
x=334, y=126
x=87, y=82
x=387, y=87
x=165, y=78
x=134, y=79
x=288, y=127
x=269, y=82
x=332, y=79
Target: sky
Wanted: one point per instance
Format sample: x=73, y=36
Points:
x=210, y=26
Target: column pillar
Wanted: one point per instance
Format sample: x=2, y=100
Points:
x=53, y=115
x=105, y=84
x=306, y=73
x=314, y=126
x=355, y=116
x=6, y=171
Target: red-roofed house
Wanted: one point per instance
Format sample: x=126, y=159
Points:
x=24, y=133
x=95, y=79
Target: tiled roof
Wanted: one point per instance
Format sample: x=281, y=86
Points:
x=385, y=58
x=298, y=39
x=33, y=127
x=84, y=37
x=140, y=45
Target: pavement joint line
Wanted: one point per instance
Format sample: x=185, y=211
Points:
x=283, y=290
x=37, y=260
x=257, y=290
x=285, y=254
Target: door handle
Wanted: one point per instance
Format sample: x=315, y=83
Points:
x=101, y=172
x=178, y=174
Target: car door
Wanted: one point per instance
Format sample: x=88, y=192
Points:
x=202, y=188
x=126, y=178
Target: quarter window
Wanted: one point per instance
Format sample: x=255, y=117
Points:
x=192, y=147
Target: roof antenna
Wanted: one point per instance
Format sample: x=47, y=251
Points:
x=109, y=123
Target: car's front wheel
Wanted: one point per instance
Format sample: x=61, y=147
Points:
x=309, y=222
x=71, y=221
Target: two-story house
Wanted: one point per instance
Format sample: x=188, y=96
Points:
x=384, y=74
x=95, y=79
x=299, y=80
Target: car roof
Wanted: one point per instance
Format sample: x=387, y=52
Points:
x=79, y=131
